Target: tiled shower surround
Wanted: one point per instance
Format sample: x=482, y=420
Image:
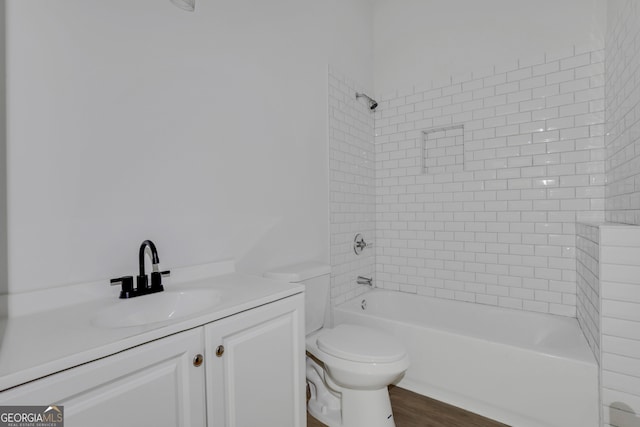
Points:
x=620, y=324
x=490, y=188
x=497, y=226
x=620, y=265
x=623, y=113
x=609, y=314
x=351, y=186
x=588, y=283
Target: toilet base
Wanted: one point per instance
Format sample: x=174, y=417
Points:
x=326, y=416
x=336, y=406
x=367, y=408
x=324, y=404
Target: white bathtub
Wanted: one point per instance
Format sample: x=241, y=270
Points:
x=523, y=369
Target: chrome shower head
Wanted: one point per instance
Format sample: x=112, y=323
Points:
x=188, y=5
x=372, y=102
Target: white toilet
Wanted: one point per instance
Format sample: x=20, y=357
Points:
x=349, y=385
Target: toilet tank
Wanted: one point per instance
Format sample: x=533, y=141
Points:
x=316, y=279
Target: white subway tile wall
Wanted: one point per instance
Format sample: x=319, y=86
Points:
x=620, y=246
x=588, y=283
x=623, y=113
x=351, y=186
x=442, y=150
x=620, y=323
x=500, y=231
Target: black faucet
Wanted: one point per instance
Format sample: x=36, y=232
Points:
x=143, y=279
x=143, y=286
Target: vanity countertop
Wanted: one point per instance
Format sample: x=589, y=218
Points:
x=42, y=342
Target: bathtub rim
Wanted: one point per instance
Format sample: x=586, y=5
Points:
x=583, y=354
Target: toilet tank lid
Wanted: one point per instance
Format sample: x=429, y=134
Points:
x=299, y=272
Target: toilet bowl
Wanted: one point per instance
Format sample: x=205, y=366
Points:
x=358, y=364
x=358, y=357
x=348, y=367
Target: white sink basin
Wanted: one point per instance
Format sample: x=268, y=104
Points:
x=153, y=308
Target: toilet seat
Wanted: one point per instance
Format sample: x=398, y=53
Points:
x=359, y=344
x=353, y=341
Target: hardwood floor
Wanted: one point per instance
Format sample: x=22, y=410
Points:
x=414, y=410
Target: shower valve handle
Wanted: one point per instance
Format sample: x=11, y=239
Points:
x=359, y=244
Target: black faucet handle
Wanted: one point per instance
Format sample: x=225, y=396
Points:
x=125, y=280
x=156, y=280
x=127, y=286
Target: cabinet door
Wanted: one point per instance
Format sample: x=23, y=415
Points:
x=155, y=384
x=258, y=379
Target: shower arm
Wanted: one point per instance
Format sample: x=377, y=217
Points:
x=373, y=104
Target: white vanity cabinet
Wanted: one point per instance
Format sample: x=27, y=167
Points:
x=255, y=367
x=258, y=380
x=155, y=384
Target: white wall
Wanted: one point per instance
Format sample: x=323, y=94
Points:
x=3, y=160
x=205, y=132
x=422, y=40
